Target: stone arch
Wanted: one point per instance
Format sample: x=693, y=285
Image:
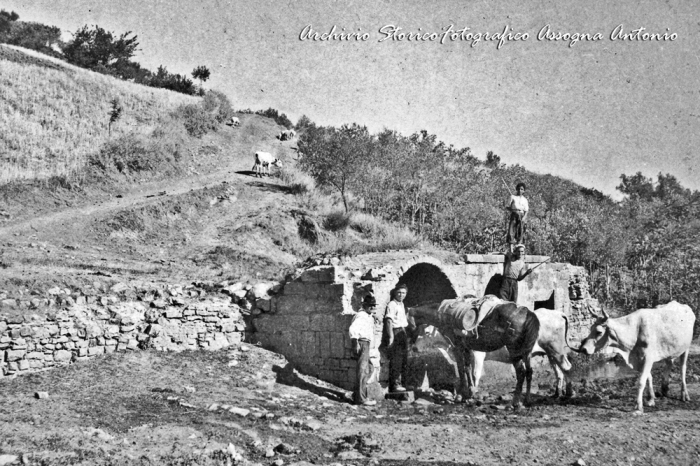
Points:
x=426, y=283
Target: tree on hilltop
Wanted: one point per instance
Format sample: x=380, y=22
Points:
x=98, y=49
x=201, y=73
x=337, y=157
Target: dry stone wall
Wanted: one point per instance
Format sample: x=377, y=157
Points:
x=65, y=326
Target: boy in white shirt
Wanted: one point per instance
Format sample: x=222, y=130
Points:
x=362, y=333
x=518, y=207
x=395, y=324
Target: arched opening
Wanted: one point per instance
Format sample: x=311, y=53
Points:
x=432, y=362
x=426, y=283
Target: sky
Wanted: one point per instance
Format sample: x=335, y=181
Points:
x=588, y=111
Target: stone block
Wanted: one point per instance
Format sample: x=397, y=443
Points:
x=15, y=355
x=294, y=305
x=173, y=313
x=337, y=344
x=324, y=274
x=62, y=356
x=96, y=350
x=322, y=322
x=35, y=355
x=323, y=343
x=23, y=365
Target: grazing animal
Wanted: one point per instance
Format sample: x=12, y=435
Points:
x=552, y=341
x=234, y=121
x=482, y=325
x=643, y=338
x=287, y=135
x=263, y=160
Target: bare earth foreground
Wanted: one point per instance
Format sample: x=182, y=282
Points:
x=246, y=406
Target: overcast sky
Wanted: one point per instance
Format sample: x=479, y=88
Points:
x=588, y=112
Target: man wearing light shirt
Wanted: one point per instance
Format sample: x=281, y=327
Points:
x=395, y=324
x=362, y=333
x=518, y=207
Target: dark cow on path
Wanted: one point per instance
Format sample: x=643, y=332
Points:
x=643, y=338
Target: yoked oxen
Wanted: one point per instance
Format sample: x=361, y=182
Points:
x=643, y=338
x=552, y=341
x=486, y=325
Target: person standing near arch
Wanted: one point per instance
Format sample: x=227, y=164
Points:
x=518, y=207
x=396, y=339
x=362, y=333
x=514, y=270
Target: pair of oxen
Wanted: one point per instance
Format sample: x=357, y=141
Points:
x=478, y=326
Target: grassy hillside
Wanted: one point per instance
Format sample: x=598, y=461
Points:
x=55, y=115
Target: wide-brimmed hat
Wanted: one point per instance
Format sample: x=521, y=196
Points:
x=369, y=301
x=520, y=246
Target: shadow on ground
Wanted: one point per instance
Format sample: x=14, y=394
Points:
x=288, y=376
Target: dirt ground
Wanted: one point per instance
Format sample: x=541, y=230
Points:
x=245, y=406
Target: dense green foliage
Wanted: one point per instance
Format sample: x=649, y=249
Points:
x=98, y=50
x=33, y=36
x=640, y=252
x=280, y=118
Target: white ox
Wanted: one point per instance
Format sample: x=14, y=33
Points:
x=263, y=160
x=234, y=121
x=643, y=338
x=551, y=341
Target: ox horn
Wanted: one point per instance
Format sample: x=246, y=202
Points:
x=605, y=314
x=590, y=309
x=566, y=336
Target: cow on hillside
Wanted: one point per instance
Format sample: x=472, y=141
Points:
x=643, y=338
x=234, y=121
x=287, y=135
x=263, y=160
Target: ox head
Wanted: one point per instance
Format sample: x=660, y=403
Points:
x=553, y=337
x=277, y=163
x=599, y=336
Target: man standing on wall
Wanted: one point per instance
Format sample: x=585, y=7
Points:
x=362, y=333
x=396, y=339
x=514, y=270
x=518, y=207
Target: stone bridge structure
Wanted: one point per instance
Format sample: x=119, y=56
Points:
x=309, y=319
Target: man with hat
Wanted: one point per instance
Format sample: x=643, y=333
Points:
x=514, y=270
x=396, y=339
x=362, y=334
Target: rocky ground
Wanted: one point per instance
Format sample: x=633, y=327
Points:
x=245, y=405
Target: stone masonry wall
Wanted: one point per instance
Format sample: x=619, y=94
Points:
x=308, y=321
x=67, y=326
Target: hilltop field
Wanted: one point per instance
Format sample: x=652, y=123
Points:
x=85, y=205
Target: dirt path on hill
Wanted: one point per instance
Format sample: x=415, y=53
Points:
x=238, y=171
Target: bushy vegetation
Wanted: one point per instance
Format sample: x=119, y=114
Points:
x=97, y=49
x=280, y=118
x=33, y=36
x=640, y=252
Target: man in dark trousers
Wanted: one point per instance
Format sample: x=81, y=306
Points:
x=396, y=339
x=514, y=270
x=518, y=207
x=362, y=333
